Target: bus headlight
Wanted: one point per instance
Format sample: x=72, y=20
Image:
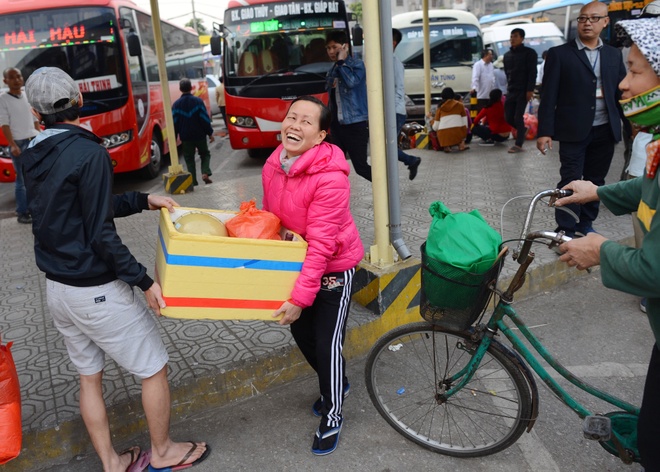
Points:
x=243, y=121
x=117, y=139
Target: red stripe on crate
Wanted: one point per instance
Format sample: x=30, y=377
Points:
x=222, y=303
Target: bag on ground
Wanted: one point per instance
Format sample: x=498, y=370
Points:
x=10, y=407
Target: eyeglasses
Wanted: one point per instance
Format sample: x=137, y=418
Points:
x=590, y=19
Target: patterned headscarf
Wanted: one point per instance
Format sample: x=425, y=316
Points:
x=645, y=33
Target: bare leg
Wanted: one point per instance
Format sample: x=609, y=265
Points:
x=92, y=409
x=156, y=404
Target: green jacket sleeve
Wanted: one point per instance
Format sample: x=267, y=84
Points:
x=631, y=270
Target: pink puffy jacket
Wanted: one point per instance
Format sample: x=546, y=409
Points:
x=314, y=201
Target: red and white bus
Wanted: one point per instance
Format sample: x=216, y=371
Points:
x=107, y=46
x=273, y=51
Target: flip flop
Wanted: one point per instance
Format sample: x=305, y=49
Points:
x=464, y=149
x=141, y=463
x=135, y=453
x=181, y=465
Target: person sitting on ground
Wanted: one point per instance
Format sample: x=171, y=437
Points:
x=468, y=118
x=495, y=129
x=450, y=122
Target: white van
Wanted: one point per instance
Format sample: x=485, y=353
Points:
x=456, y=44
x=538, y=36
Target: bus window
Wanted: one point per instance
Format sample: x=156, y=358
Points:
x=450, y=46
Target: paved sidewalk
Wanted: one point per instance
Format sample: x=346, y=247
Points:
x=215, y=362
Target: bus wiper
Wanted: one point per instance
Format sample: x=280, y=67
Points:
x=90, y=103
x=257, y=79
x=282, y=71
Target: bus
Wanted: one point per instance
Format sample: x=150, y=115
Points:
x=108, y=48
x=272, y=52
x=563, y=14
x=456, y=44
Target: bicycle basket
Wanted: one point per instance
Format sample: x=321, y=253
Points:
x=451, y=297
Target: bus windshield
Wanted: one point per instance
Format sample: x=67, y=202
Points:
x=81, y=41
x=451, y=45
x=279, y=38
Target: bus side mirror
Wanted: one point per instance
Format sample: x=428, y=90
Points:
x=357, y=35
x=133, y=41
x=216, y=45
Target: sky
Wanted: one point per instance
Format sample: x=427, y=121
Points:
x=179, y=12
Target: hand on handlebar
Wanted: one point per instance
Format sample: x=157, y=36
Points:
x=582, y=253
x=583, y=192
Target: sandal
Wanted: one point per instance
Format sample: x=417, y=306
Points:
x=464, y=148
x=515, y=150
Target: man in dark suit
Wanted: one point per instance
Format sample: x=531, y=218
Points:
x=580, y=109
x=520, y=67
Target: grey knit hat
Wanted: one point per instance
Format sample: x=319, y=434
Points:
x=645, y=33
x=50, y=90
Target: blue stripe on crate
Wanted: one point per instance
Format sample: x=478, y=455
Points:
x=226, y=262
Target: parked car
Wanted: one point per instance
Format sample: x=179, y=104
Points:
x=212, y=82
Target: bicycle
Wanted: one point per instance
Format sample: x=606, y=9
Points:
x=450, y=386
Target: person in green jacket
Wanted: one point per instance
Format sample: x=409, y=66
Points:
x=633, y=270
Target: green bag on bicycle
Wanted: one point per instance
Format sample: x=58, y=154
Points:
x=462, y=240
x=456, y=258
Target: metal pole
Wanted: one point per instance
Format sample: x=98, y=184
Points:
x=381, y=254
x=427, y=57
x=391, y=131
x=175, y=167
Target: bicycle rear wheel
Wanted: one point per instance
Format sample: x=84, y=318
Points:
x=486, y=416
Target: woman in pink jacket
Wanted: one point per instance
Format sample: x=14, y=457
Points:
x=306, y=185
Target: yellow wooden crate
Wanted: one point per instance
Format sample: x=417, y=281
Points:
x=223, y=278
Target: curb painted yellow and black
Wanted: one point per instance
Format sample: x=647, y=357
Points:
x=60, y=443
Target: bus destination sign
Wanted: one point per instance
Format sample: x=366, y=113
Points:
x=56, y=36
x=284, y=9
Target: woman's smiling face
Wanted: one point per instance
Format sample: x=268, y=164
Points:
x=301, y=128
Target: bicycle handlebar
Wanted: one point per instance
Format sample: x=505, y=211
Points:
x=526, y=238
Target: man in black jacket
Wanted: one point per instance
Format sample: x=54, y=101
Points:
x=192, y=124
x=520, y=67
x=91, y=274
x=580, y=109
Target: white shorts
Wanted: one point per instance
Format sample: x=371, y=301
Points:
x=106, y=319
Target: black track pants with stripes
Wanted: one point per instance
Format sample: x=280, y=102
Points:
x=320, y=332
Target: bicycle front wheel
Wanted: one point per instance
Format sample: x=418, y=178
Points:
x=411, y=365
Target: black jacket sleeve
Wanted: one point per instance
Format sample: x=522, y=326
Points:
x=98, y=205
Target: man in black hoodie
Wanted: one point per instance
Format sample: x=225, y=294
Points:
x=520, y=68
x=91, y=274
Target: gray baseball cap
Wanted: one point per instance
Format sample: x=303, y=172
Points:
x=50, y=86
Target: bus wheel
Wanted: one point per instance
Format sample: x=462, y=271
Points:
x=152, y=169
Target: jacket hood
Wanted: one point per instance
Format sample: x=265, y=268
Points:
x=325, y=157
x=35, y=158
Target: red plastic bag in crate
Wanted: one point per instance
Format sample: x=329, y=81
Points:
x=10, y=407
x=253, y=223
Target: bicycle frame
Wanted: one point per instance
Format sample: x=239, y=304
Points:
x=497, y=323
